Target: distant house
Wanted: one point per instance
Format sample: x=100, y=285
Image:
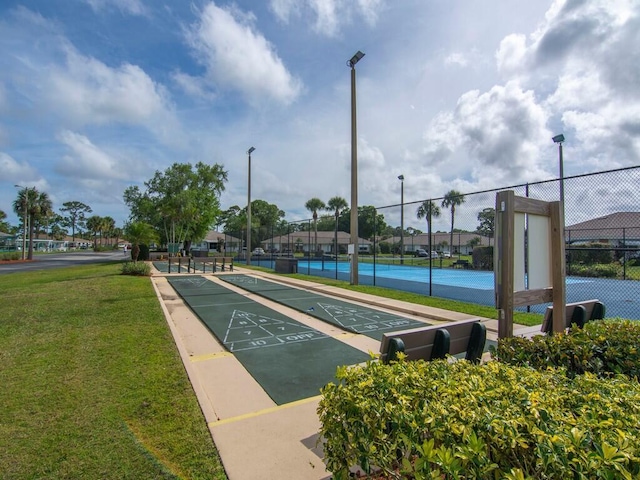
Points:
x=463, y=242
x=615, y=229
x=216, y=241
x=303, y=242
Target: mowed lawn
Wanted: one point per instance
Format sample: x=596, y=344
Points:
x=91, y=382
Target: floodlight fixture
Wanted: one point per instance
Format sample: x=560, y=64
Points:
x=251, y=150
x=355, y=59
x=559, y=139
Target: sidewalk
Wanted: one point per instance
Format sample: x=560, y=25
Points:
x=255, y=437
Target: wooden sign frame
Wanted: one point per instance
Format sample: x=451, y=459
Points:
x=507, y=258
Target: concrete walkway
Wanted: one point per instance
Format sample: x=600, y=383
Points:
x=255, y=437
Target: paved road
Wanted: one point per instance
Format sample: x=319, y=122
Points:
x=57, y=260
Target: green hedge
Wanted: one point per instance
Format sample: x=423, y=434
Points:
x=428, y=420
x=11, y=256
x=136, y=268
x=597, y=270
x=602, y=347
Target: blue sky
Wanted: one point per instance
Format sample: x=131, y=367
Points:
x=96, y=95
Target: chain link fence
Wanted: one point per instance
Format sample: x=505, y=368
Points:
x=446, y=246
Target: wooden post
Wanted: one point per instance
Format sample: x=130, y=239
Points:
x=504, y=262
x=559, y=272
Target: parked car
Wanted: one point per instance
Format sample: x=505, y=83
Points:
x=421, y=252
x=446, y=255
x=258, y=251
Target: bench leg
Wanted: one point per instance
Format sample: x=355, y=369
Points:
x=476, y=342
x=396, y=345
x=579, y=316
x=441, y=344
x=598, y=311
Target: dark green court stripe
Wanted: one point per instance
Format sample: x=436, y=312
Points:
x=291, y=361
x=349, y=316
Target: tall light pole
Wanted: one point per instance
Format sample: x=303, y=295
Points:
x=401, y=178
x=24, y=219
x=559, y=139
x=251, y=150
x=354, y=170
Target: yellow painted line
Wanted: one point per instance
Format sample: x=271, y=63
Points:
x=210, y=356
x=264, y=411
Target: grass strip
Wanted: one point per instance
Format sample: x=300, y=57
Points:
x=92, y=382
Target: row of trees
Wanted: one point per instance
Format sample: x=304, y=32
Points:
x=36, y=209
x=181, y=204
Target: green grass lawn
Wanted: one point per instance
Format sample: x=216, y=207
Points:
x=92, y=385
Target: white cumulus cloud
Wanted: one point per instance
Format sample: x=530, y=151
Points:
x=238, y=57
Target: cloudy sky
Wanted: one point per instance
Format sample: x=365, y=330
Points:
x=96, y=95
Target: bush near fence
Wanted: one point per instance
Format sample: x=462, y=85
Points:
x=461, y=421
x=604, y=348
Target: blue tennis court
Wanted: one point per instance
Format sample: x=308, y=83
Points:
x=621, y=297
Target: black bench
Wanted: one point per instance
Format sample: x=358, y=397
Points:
x=222, y=262
x=461, y=263
x=436, y=341
x=577, y=313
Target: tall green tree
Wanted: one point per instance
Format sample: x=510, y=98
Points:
x=451, y=200
x=75, y=215
x=139, y=233
x=37, y=205
x=108, y=225
x=428, y=210
x=94, y=225
x=487, y=218
x=4, y=226
x=313, y=205
x=335, y=205
x=370, y=222
x=182, y=203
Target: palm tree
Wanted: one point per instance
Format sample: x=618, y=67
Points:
x=108, y=224
x=93, y=224
x=313, y=206
x=37, y=205
x=428, y=210
x=452, y=199
x=139, y=233
x=336, y=204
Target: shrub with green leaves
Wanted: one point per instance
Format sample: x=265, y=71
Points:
x=602, y=347
x=597, y=270
x=437, y=420
x=11, y=256
x=136, y=268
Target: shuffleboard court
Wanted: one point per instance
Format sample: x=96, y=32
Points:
x=291, y=361
x=352, y=317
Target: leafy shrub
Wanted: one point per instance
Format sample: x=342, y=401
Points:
x=483, y=258
x=590, y=253
x=11, y=256
x=136, y=268
x=599, y=270
x=422, y=420
x=144, y=252
x=602, y=347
